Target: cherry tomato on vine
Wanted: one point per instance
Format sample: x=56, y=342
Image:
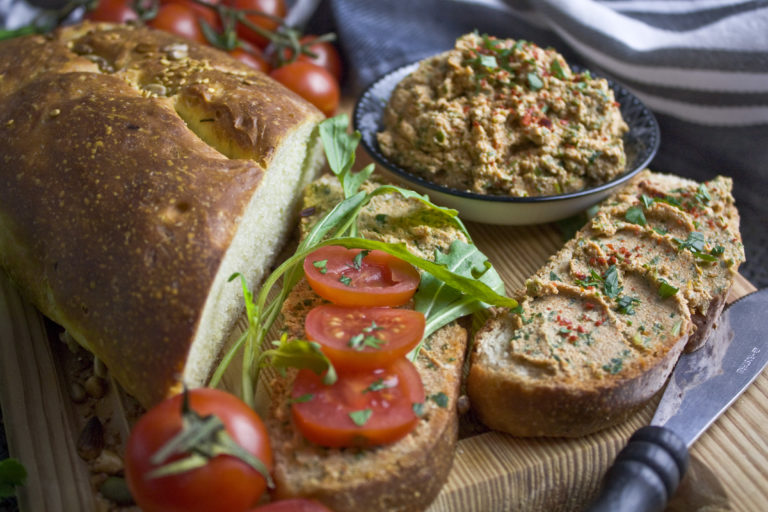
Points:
x=252, y=58
x=113, y=11
x=179, y=19
x=311, y=82
x=270, y=7
x=293, y=505
x=223, y=483
x=364, y=338
x=326, y=55
x=366, y=408
x=352, y=277
x=201, y=12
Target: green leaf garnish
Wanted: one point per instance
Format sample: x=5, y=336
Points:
x=357, y=262
x=346, y=280
x=557, y=69
x=534, y=81
x=12, y=475
x=611, y=282
x=377, y=385
x=441, y=399
x=361, y=417
x=666, y=290
x=626, y=305
x=635, y=215
x=320, y=265
x=299, y=354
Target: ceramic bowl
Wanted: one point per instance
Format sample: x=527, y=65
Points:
x=640, y=144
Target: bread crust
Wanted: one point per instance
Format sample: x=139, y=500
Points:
x=578, y=358
x=115, y=215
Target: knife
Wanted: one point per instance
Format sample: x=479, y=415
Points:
x=705, y=383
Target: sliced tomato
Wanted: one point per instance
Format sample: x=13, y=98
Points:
x=293, y=505
x=364, y=337
x=353, y=277
x=366, y=408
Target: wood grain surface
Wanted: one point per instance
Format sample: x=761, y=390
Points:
x=492, y=471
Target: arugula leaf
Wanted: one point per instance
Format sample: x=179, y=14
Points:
x=442, y=299
x=12, y=475
x=299, y=354
x=340, y=149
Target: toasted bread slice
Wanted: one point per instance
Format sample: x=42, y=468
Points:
x=603, y=322
x=405, y=475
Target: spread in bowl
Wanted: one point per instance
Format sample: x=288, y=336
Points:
x=504, y=117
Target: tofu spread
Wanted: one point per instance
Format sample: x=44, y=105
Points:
x=504, y=117
x=653, y=259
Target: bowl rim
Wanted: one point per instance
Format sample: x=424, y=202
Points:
x=402, y=173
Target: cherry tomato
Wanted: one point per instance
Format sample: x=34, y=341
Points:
x=224, y=483
x=178, y=19
x=366, y=408
x=209, y=14
x=113, y=11
x=326, y=55
x=364, y=338
x=352, y=277
x=293, y=505
x=311, y=82
x=269, y=7
x=252, y=58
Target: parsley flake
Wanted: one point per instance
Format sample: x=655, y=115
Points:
x=441, y=399
x=321, y=265
x=534, y=81
x=666, y=290
x=346, y=280
x=626, y=304
x=635, y=215
x=361, y=417
x=357, y=262
x=611, y=282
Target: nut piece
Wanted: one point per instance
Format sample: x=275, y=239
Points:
x=77, y=393
x=91, y=440
x=96, y=387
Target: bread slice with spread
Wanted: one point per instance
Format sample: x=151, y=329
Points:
x=139, y=171
x=600, y=326
x=405, y=475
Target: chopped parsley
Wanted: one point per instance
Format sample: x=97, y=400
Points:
x=635, y=215
x=702, y=195
x=554, y=277
x=418, y=408
x=441, y=399
x=361, y=417
x=611, y=282
x=666, y=290
x=626, y=304
x=377, y=385
x=346, y=280
x=534, y=81
x=357, y=262
x=360, y=341
x=302, y=399
x=321, y=265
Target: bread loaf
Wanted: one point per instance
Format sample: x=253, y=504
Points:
x=602, y=323
x=403, y=476
x=139, y=171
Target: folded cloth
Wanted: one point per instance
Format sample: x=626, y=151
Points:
x=700, y=65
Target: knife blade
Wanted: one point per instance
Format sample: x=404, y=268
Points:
x=702, y=386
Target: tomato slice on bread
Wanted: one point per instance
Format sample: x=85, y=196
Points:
x=357, y=338
x=355, y=277
x=365, y=408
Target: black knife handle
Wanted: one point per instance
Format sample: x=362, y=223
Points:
x=645, y=474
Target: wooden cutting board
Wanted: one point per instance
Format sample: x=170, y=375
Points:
x=491, y=472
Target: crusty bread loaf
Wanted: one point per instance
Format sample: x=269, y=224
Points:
x=603, y=322
x=139, y=171
x=408, y=474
